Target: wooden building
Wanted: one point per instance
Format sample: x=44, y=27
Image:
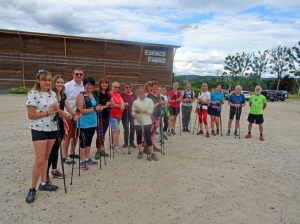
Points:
x=22, y=54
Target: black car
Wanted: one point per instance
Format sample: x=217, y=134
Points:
x=282, y=95
x=270, y=95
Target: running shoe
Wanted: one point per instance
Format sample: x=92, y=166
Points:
x=47, y=187
x=261, y=138
x=187, y=130
x=228, y=133
x=97, y=155
x=140, y=155
x=165, y=137
x=173, y=132
x=183, y=130
x=200, y=132
x=248, y=136
x=207, y=135
x=132, y=145
x=119, y=150
x=103, y=153
x=68, y=161
x=146, y=151
x=236, y=133
x=154, y=157
x=31, y=195
x=75, y=156
x=91, y=162
x=125, y=145
x=57, y=174
x=213, y=132
x=83, y=165
x=169, y=133
x=156, y=149
x=217, y=132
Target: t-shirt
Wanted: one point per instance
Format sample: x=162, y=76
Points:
x=217, y=96
x=155, y=99
x=236, y=100
x=257, y=103
x=42, y=102
x=128, y=98
x=103, y=98
x=174, y=96
x=204, y=96
x=187, y=95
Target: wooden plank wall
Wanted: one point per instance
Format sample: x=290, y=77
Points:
x=23, y=55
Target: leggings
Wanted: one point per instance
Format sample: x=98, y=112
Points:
x=202, y=114
x=100, y=135
x=147, y=134
x=166, y=122
x=125, y=126
x=86, y=137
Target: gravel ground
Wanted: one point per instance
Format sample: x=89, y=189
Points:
x=199, y=180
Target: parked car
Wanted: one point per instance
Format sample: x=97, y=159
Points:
x=282, y=95
x=226, y=93
x=269, y=94
x=246, y=94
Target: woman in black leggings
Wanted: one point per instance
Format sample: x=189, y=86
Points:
x=59, y=88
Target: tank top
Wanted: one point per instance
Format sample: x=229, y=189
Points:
x=116, y=112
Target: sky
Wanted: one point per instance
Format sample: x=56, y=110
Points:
x=206, y=30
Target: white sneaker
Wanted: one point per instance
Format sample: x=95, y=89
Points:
x=119, y=150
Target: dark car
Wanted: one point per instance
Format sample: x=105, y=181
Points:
x=269, y=94
x=282, y=95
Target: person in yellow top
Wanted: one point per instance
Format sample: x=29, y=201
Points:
x=257, y=103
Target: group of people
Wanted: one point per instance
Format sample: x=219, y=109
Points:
x=61, y=113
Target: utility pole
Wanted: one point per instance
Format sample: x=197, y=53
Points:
x=218, y=75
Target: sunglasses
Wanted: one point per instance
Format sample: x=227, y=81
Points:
x=117, y=87
x=128, y=87
x=79, y=74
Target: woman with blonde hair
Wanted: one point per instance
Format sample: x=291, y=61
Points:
x=41, y=106
x=202, y=108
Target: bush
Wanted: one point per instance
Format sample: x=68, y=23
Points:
x=19, y=90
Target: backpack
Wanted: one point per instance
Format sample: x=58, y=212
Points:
x=184, y=94
x=87, y=100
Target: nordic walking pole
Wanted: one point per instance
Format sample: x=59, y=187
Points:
x=179, y=123
x=236, y=120
x=129, y=149
x=162, y=140
x=109, y=131
x=61, y=155
x=77, y=134
x=195, y=122
x=98, y=132
x=239, y=122
x=221, y=122
x=102, y=136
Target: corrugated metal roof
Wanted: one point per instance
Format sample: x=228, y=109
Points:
x=85, y=38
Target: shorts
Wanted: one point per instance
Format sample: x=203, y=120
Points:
x=256, y=118
x=72, y=128
x=154, y=126
x=43, y=135
x=213, y=111
x=174, y=111
x=231, y=115
x=114, y=123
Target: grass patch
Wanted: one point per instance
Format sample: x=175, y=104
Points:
x=294, y=96
x=19, y=90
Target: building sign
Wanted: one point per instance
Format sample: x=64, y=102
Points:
x=156, y=56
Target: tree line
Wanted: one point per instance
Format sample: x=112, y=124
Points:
x=246, y=69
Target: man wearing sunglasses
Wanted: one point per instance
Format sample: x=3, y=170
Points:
x=72, y=89
x=128, y=97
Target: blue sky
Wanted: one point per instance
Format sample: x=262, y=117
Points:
x=206, y=30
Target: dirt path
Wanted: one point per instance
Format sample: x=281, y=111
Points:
x=199, y=180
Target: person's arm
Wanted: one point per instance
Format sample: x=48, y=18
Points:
x=31, y=110
x=68, y=107
x=114, y=105
x=264, y=106
x=151, y=107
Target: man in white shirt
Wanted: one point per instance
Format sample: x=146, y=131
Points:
x=72, y=89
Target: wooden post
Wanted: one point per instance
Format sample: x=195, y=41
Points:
x=172, y=66
x=141, y=53
x=23, y=66
x=104, y=60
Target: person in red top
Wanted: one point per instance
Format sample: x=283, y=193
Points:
x=174, y=99
x=118, y=106
x=128, y=97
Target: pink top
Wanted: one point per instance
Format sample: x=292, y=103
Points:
x=116, y=112
x=174, y=96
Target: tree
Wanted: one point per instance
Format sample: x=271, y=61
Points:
x=231, y=68
x=287, y=83
x=259, y=64
x=295, y=54
x=281, y=63
x=244, y=60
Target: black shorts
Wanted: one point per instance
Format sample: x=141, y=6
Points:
x=43, y=135
x=174, y=111
x=256, y=118
x=213, y=111
x=231, y=115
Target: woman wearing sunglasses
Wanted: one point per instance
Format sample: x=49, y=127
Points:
x=116, y=112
